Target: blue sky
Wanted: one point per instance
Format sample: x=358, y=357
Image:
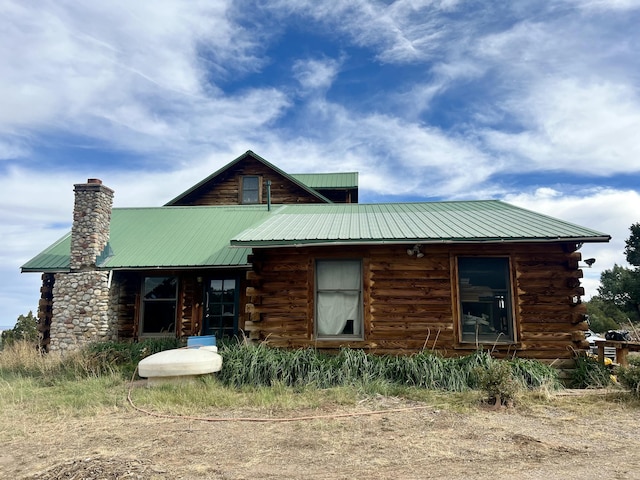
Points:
x=533, y=102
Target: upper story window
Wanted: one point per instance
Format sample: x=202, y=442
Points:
x=485, y=296
x=250, y=190
x=339, y=299
x=159, y=306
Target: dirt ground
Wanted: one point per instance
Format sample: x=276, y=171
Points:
x=549, y=440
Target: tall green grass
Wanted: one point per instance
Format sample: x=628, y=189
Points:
x=260, y=365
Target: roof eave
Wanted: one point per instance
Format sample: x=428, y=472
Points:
x=404, y=241
x=43, y=270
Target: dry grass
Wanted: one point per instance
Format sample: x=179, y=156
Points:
x=86, y=429
x=552, y=439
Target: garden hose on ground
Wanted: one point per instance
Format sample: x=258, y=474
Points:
x=265, y=419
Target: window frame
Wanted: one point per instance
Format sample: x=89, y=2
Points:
x=510, y=305
x=257, y=190
x=206, y=324
x=144, y=302
x=360, y=292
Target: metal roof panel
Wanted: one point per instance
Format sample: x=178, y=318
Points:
x=328, y=180
x=203, y=236
x=468, y=221
x=165, y=237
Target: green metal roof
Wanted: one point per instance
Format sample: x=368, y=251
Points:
x=205, y=236
x=468, y=221
x=328, y=180
x=170, y=237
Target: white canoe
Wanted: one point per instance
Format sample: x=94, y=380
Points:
x=180, y=362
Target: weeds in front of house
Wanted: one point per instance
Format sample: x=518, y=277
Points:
x=23, y=358
x=261, y=377
x=590, y=373
x=499, y=382
x=261, y=365
x=629, y=376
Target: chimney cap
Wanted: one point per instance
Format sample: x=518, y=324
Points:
x=96, y=181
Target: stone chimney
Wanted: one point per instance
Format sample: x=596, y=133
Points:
x=82, y=312
x=91, y=220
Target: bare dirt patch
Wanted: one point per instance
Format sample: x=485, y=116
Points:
x=551, y=440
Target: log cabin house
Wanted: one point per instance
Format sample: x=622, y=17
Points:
x=295, y=261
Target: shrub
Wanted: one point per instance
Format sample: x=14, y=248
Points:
x=499, y=382
x=630, y=376
x=589, y=373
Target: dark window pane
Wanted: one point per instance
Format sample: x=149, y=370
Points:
x=160, y=287
x=229, y=293
x=220, y=308
x=485, y=299
x=250, y=183
x=215, y=286
x=159, y=317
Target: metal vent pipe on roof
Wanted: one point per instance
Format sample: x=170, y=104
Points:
x=268, y=195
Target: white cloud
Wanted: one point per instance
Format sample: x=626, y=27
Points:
x=603, y=5
x=315, y=74
x=404, y=31
x=124, y=72
x=577, y=126
x=606, y=210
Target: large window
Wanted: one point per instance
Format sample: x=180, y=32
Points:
x=159, y=296
x=339, y=298
x=486, y=312
x=250, y=189
x=220, y=314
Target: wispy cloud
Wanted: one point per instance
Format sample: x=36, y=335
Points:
x=315, y=74
x=574, y=125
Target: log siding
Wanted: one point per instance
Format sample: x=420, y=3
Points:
x=226, y=188
x=412, y=303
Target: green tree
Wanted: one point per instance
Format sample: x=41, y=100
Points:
x=26, y=328
x=620, y=286
x=604, y=315
x=632, y=249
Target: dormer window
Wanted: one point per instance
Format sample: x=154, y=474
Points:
x=250, y=191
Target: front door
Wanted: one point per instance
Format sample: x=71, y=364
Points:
x=221, y=307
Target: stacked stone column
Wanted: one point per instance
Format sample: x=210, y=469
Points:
x=81, y=302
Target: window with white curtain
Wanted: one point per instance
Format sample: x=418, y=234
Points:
x=250, y=190
x=339, y=298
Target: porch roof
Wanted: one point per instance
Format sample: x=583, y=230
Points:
x=432, y=222
x=165, y=237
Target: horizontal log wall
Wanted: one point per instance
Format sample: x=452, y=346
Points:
x=225, y=188
x=128, y=292
x=410, y=303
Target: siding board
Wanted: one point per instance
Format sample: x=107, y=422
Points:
x=409, y=303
